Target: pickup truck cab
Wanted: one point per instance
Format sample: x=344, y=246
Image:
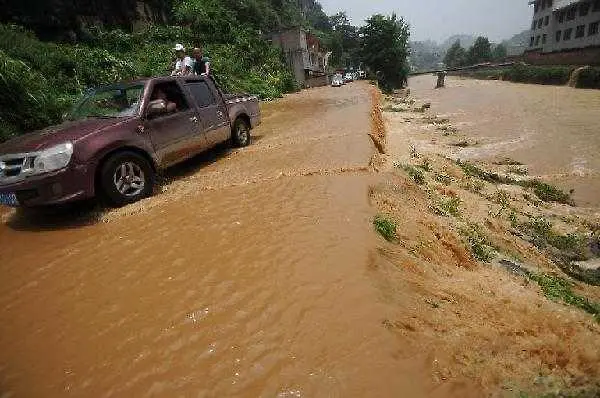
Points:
x=118, y=137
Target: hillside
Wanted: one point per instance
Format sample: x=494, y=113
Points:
x=63, y=47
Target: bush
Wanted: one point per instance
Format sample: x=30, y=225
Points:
x=589, y=78
x=521, y=73
x=559, y=289
x=28, y=100
x=385, y=228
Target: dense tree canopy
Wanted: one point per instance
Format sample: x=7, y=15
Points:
x=385, y=49
x=481, y=51
x=456, y=56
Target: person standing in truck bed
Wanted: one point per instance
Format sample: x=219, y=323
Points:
x=183, y=63
x=201, y=63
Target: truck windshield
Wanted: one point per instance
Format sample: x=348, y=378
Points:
x=109, y=102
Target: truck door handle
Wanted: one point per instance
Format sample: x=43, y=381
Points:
x=194, y=119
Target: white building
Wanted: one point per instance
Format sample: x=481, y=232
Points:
x=560, y=25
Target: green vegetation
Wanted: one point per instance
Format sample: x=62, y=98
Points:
x=544, y=191
x=473, y=171
x=516, y=170
x=480, y=247
x=521, y=73
x=588, y=78
x=443, y=178
x=550, y=75
x=425, y=165
x=54, y=54
x=572, y=247
x=447, y=207
x=547, y=192
x=481, y=51
x=559, y=289
x=416, y=174
x=385, y=228
x=508, y=162
x=385, y=49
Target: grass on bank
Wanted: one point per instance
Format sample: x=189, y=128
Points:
x=559, y=289
x=413, y=172
x=544, y=191
x=386, y=228
x=480, y=246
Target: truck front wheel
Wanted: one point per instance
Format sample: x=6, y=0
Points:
x=241, y=133
x=126, y=177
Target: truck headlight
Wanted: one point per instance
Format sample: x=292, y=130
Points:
x=51, y=159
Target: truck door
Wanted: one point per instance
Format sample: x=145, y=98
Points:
x=211, y=111
x=177, y=134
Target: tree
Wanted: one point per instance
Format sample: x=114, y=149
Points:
x=500, y=52
x=385, y=49
x=481, y=51
x=456, y=56
x=343, y=41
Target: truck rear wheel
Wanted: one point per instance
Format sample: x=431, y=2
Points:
x=241, y=133
x=126, y=177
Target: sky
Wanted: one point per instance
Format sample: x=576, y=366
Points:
x=440, y=19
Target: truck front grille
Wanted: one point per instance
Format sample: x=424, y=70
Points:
x=13, y=168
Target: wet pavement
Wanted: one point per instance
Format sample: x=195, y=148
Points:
x=247, y=275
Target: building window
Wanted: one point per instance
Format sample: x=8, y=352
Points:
x=537, y=40
x=561, y=17
x=544, y=37
x=531, y=41
x=547, y=20
x=584, y=9
x=533, y=25
x=540, y=22
x=536, y=7
x=571, y=13
x=593, y=30
x=567, y=34
x=558, y=35
x=580, y=31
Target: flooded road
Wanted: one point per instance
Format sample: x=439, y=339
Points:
x=555, y=131
x=247, y=276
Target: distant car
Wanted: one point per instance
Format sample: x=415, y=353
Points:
x=362, y=74
x=337, y=81
x=348, y=77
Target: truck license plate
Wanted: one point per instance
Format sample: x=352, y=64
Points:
x=9, y=199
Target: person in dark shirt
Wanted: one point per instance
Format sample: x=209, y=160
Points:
x=201, y=63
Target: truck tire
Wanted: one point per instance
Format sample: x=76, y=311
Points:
x=240, y=135
x=126, y=177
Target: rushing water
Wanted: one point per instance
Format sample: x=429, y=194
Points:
x=555, y=131
x=246, y=276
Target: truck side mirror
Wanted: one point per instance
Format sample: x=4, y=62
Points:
x=156, y=108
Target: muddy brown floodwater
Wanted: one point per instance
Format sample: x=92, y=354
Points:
x=246, y=276
x=555, y=131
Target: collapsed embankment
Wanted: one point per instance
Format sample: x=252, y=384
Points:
x=491, y=271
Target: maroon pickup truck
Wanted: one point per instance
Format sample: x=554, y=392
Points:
x=118, y=137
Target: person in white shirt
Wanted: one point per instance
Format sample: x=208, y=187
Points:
x=183, y=63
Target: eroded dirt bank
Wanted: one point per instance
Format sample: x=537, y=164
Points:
x=474, y=249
